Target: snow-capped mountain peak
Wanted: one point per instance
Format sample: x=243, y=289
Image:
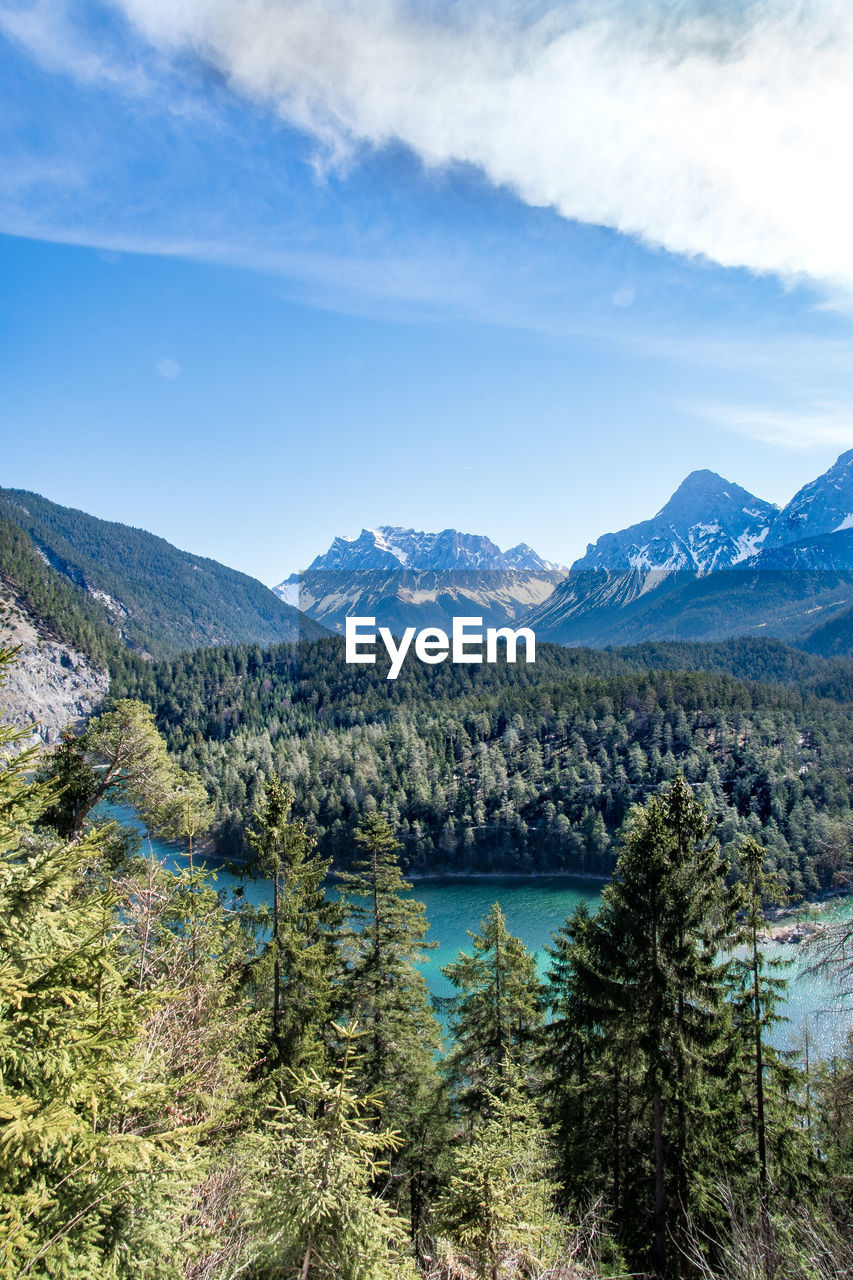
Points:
x=390, y=547
x=822, y=506
x=708, y=523
x=407, y=574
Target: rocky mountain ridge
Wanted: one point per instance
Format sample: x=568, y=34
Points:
x=50, y=686
x=642, y=582
x=405, y=576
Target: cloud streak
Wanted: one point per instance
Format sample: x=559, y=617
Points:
x=796, y=429
x=689, y=128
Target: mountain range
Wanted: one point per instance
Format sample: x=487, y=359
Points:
x=715, y=561
x=86, y=596
x=397, y=575
x=151, y=596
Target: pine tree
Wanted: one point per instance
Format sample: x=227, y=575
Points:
x=497, y=1011
x=303, y=948
x=647, y=973
x=121, y=757
x=386, y=992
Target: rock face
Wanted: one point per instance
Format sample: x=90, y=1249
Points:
x=708, y=523
x=50, y=685
x=404, y=577
x=823, y=506
x=717, y=562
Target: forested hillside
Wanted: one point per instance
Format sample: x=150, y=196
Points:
x=65, y=610
x=514, y=767
x=161, y=599
x=195, y=1089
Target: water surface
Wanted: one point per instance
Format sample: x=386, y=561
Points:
x=535, y=907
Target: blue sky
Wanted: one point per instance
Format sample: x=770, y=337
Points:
x=273, y=271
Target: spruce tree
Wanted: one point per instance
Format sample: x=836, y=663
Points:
x=386, y=992
x=313, y=1214
x=302, y=952
x=591, y=1074
x=496, y=1215
x=647, y=973
x=496, y=1014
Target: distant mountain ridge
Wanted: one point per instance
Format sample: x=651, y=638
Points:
x=404, y=576
x=392, y=547
x=156, y=598
x=708, y=523
x=716, y=561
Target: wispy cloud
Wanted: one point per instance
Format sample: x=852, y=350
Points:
x=797, y=429
x=47, y=29
x=720, y=132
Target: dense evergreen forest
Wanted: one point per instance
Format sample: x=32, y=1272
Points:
x=159, y=599
x=65, y=611
x=511, y=767
x=192, y=1089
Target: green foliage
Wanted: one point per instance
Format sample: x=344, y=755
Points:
x=73, y=1077
x=163, y=599
x=514, y=768
x=662, y=1074
x=310, y=1203
x=776, y=1152
x=496, y=1013
x=498, y=1210
x=385, y=940
x=63, y=609
x=122, y=758
x=301, y=958
x=386, y=992
x=179, y=1097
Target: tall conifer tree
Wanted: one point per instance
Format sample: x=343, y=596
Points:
x=302, y=953
x=497, y=1011
x=386, y=991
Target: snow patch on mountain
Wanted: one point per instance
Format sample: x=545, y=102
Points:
x=822, y=506
x=408, y=575
x=708, y=524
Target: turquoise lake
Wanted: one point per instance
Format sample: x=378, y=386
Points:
x=535, y=907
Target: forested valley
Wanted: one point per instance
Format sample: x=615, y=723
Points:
x=194, y=1088
x=519, y=768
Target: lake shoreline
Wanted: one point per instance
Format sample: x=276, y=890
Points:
x=418, y=878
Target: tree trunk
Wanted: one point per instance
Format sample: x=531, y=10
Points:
x=276, y=995
x=617, y=1145
x=660, y=1187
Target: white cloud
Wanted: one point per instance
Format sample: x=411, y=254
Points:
x=45, y=28
x=814, y=427
x=699, y=132
x=168, y=368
